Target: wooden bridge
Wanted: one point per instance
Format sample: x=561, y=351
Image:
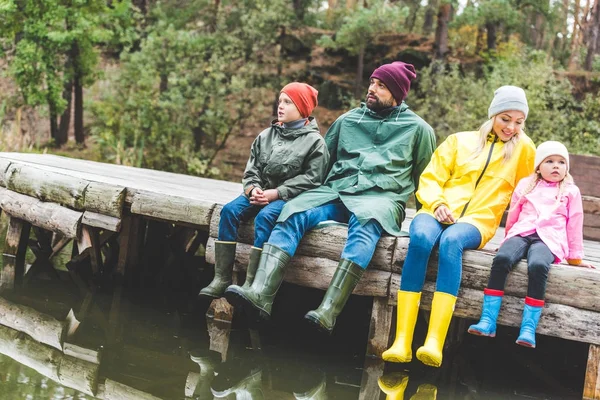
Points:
x=103, y=208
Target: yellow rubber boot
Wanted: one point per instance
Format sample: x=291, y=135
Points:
x=393, y=385
x=425, y=391
x=407, y=311
x=442, y=308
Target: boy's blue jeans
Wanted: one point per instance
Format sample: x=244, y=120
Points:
x=362, y=239
x=425, y=233
x=239, y=210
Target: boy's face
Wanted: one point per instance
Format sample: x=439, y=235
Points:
x=379, y=96
x=287, y=111
x=553, y=168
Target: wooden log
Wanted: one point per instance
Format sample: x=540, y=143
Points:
x=81, y=353
x=105, y=199
x=380, y=327
x=46, y=186
x=101, y=221
x=372, y=370
x=572, y=286
x=591, y=205
x=4, y=164
x=219, y=333
x=39, y=326
x=313, y=272
x=172, y=208
x=591, y=386
x=112, y=390
x=66, y=370
x=49, y=216
x=15, y=247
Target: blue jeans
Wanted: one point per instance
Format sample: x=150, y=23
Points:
x=539, y=259
x=425, y=233
x=362, y=239
x=240, y=210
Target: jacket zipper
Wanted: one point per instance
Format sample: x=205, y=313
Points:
x=487, y=162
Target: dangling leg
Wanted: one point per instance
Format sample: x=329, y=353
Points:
x=509, y=254
x=425, y=232
x=355, y=258
x=455, y=239
x=539, y=259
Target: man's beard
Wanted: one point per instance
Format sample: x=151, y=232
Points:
x=379, y=105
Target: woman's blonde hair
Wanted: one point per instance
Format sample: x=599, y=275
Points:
x=485, y=130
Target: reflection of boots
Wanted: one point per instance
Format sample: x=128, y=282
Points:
x=319, y=392
x=341, y=286
x=442, y=308
x=253, y=261
x=425, y=391
x=492, y=300
x=224, y=259
x=203, y=381
x=531, y=317
x=407, y=311
x=393, y=384
x=259, y=297
x=248, y=388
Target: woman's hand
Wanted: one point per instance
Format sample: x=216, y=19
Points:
x=443, y=214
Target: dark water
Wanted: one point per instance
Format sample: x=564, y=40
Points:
x=158, y=343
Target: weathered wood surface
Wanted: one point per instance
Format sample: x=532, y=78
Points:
x=66, y=370
x=15, y=247
x=112, y=390
x=591, y=386
x=49, y=216
x=101, y=221
x=41, y=327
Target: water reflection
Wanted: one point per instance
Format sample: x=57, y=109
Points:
x=155, y=349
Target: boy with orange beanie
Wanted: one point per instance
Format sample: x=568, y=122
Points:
x=286, y=159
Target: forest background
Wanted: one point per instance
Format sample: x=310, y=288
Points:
x=186, y=85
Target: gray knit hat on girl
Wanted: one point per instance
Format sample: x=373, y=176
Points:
x=507, y=98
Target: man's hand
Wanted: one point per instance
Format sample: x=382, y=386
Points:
x=443, y=214
x=263, y=197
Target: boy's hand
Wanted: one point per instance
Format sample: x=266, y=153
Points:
x=271, y=194
x=258, y=198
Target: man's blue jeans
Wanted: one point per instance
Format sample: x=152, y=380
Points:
x=239, y=210
x=361, y=242
x=425, y=233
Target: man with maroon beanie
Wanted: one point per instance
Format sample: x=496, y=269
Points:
x=286, y=159
x=377, y=153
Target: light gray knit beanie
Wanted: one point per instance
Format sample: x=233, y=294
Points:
x=507, y=98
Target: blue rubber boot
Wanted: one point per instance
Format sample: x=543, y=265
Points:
x=492, y=300
x=531, y=317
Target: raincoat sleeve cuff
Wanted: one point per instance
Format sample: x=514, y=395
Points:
x=575, y=261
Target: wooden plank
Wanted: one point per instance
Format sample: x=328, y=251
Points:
x=591, y=386
x=117, y=391
x=101, y=221
x=585, y=171
x=82, y=353
x=380, y=327
x=105, y=199
x=15, y=247
x=4, y=164
x=49, y=216
x=372, y=371
x=173, y=208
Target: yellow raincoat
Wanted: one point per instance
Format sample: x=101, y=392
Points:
x=476, y=191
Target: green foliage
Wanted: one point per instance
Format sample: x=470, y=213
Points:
x=363, y=24
x=453, y=101
x=177, y=100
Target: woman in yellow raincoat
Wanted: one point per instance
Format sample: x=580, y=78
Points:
x=463, y=191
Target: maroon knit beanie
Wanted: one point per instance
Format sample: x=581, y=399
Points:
x=397, y=77
x=304, y=97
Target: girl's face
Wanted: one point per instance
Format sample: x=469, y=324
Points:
x=508, y=123
x=553, y=168
x=287, y=111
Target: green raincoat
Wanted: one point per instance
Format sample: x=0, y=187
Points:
x=376, y=161
x=289, y=160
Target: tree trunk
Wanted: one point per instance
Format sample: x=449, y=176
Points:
x=429, y=16
x=593, y=37
x=412, y=18
x=574, y=45
x=359, y=72
x=79, y=133
x=479, y=45
x=65, y=119
x=441, y=32
x=299, y=9
x=492, y=33
x=54, y=131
